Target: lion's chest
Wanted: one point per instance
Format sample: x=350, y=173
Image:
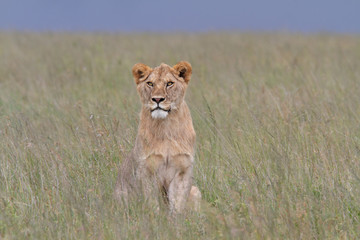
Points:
x=167, y=155
x=165, y=167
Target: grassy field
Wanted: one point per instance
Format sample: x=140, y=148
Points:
x=277, y=118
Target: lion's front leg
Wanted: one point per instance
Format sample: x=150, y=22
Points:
x=179, y=189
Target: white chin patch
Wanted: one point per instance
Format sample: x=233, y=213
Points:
x=159, y=114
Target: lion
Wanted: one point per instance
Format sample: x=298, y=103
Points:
x=163, y=154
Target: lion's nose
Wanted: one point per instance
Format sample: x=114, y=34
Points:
x=158, y=100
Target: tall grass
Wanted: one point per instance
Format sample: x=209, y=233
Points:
x=277, y=118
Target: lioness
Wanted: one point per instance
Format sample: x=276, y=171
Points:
x=163, y=154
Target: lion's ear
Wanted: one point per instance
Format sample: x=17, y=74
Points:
x=183, y=70
x=140, y=72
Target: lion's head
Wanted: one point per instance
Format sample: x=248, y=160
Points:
x=162, y=89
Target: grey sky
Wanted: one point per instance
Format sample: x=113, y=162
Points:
x=342, y=16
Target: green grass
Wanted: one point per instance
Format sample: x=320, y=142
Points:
x=277, y=118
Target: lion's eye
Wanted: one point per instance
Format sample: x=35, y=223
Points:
x=169, y=84
x=150, y=84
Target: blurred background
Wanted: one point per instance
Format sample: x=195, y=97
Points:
x=185, y=16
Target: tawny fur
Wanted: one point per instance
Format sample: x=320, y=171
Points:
x=163, y=153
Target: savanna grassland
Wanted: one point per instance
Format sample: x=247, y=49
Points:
x=277, y=118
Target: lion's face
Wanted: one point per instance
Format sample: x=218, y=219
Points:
x=162, y=89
